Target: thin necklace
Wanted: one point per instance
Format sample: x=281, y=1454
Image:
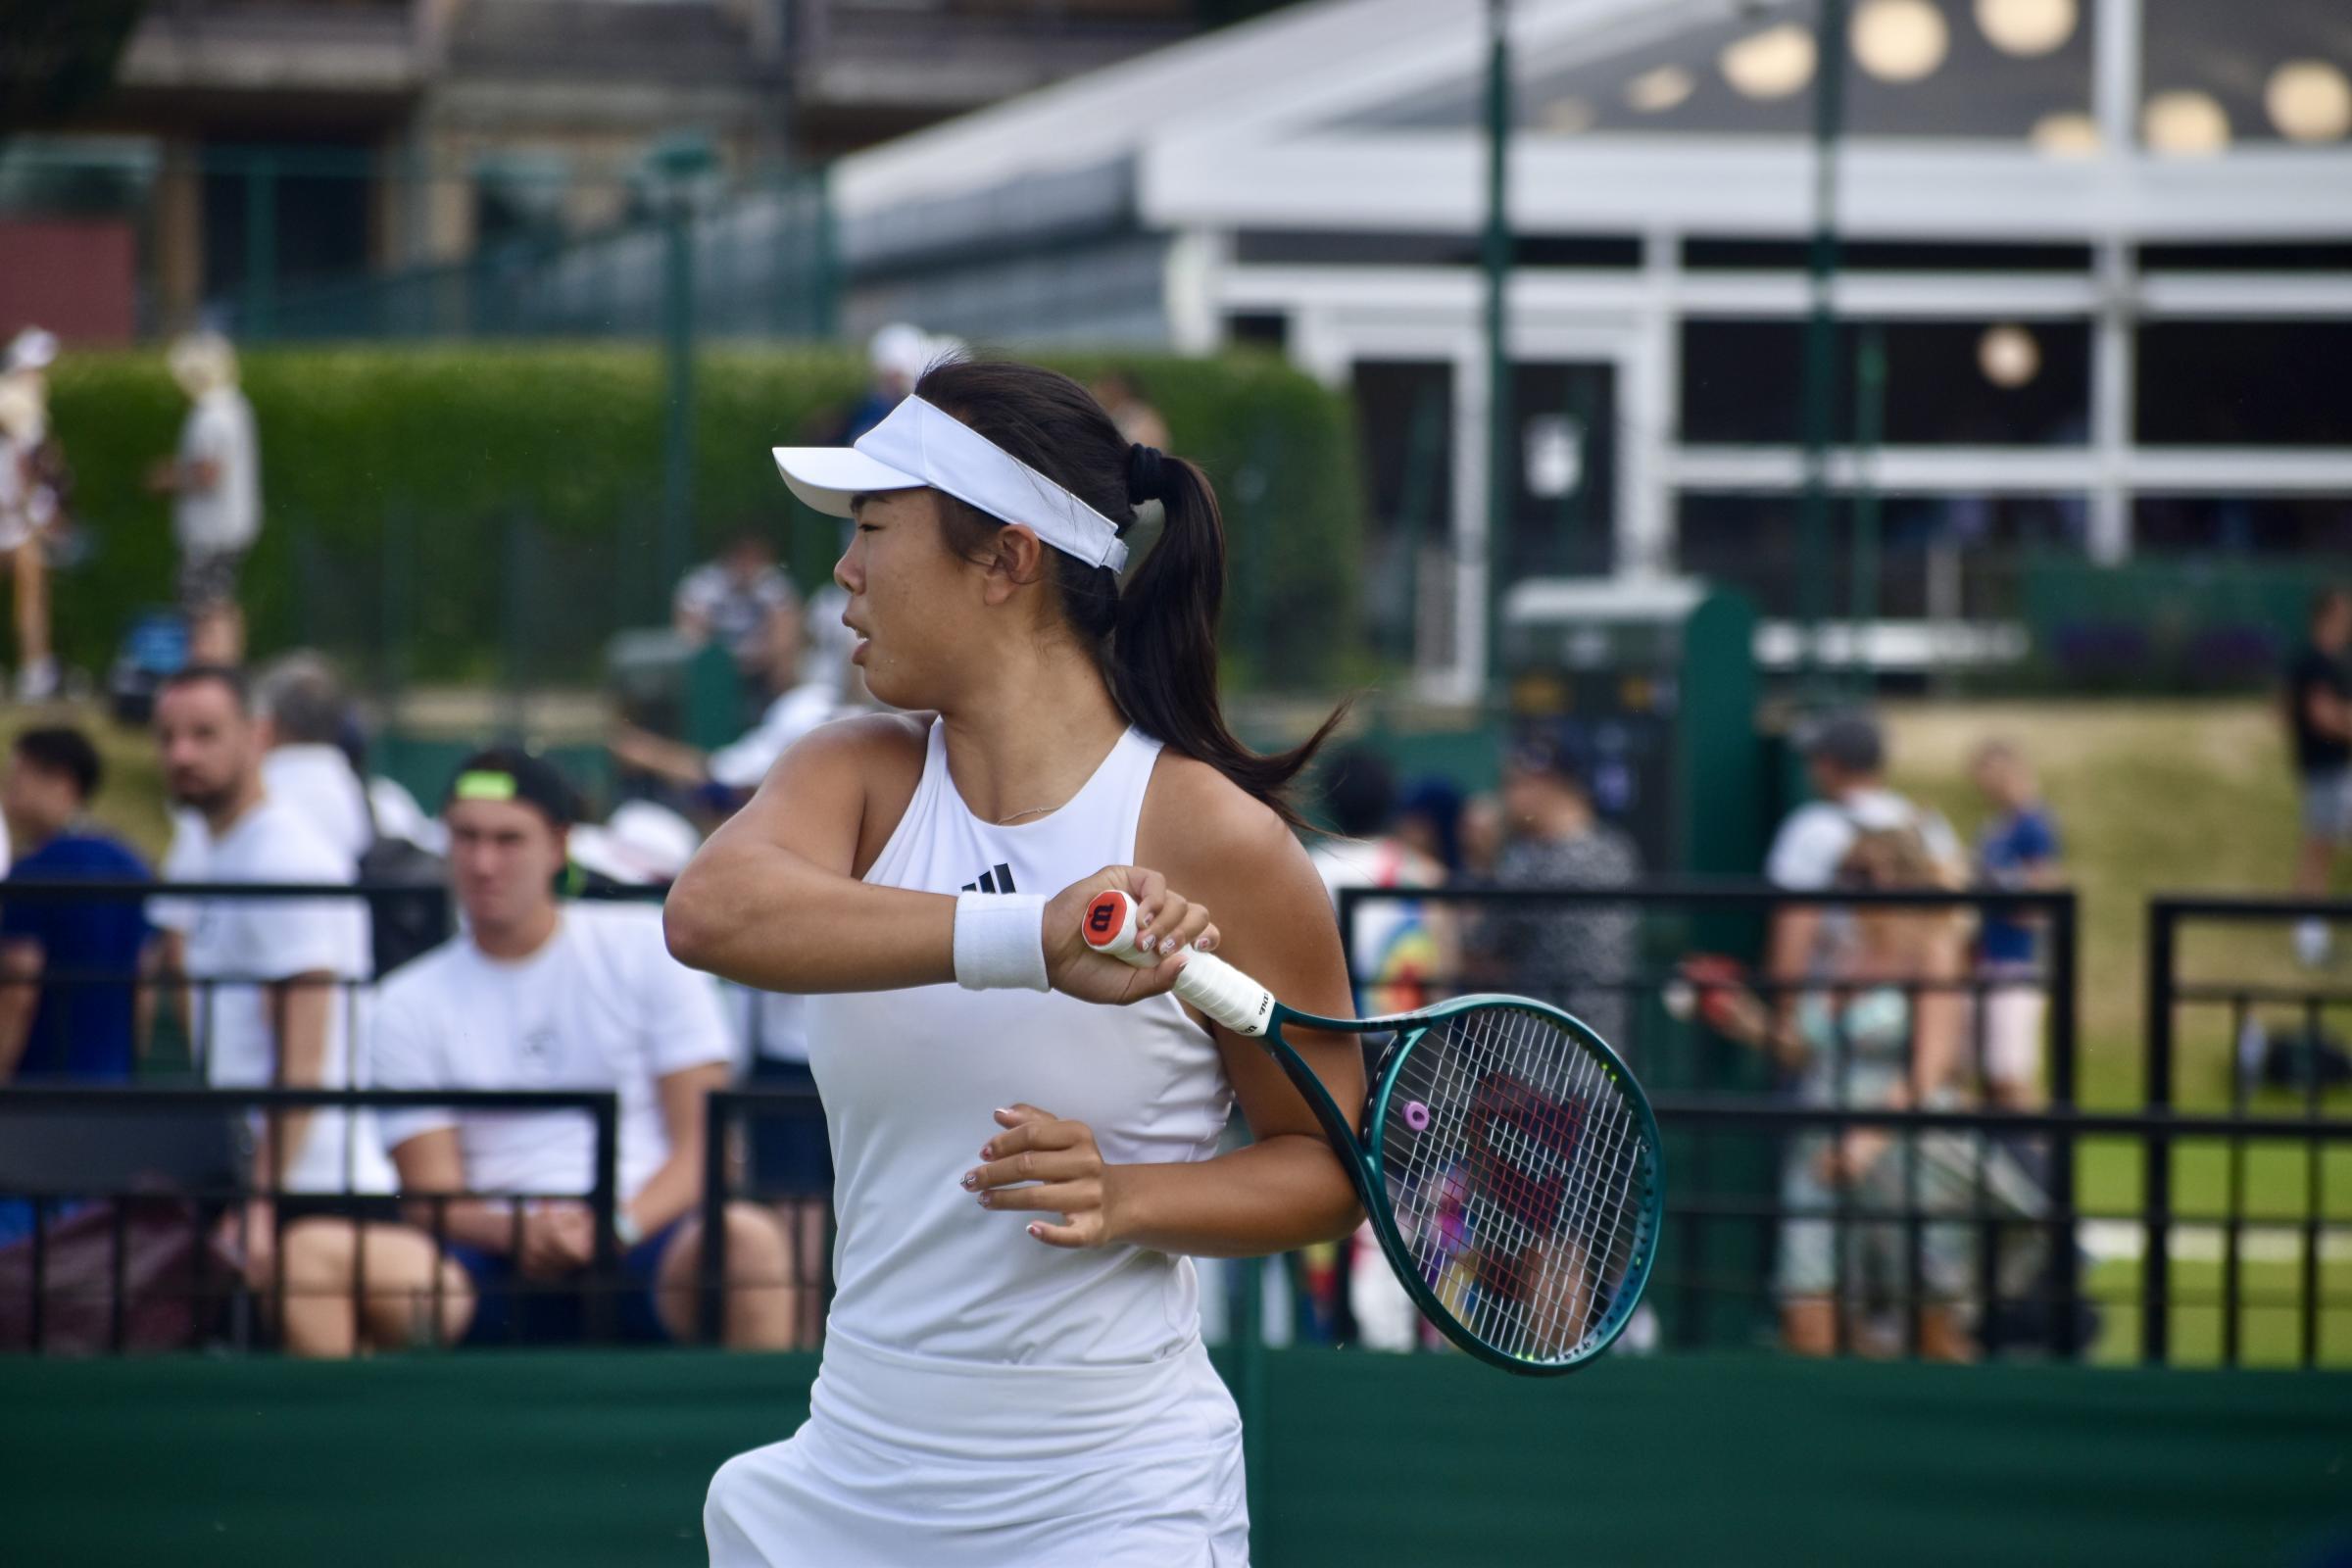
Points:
x=1008, y=822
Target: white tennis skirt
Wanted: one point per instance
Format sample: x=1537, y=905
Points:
x=911, y=1461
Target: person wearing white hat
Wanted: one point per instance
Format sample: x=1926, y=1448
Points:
x=216, y=485
x=1013, y=1372
x=33, y=489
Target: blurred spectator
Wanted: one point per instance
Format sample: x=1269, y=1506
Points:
x=1396, y=946
x=536, y=994
x=394, y=812
x=808, y=678
x=34, y=491
x=1845, y=763
x=298, y=702
x=302, y=705
x=743, y=601
x=216, y=484
x=2018, y=848
x=1429, y=820
x=896, y=357
x=1399, y=950
x=1865, y=1036
x=1483, y=830
x=269, y=975
x=2318, y=712
x=1577, y=954
x=70, y=1006
x=641, y=846
x=1137, y=420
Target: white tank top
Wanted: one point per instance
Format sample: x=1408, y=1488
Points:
x=909, y=1079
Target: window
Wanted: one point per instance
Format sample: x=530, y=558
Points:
x=2244, y=383
x=1938, y=557
x=2270, y=525
x=1744, y=383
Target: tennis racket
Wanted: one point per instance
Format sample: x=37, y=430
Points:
x=1508, y=1163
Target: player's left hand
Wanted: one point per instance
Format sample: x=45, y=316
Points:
x=1065, y=1175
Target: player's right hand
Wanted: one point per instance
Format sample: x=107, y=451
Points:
x=1167, y=923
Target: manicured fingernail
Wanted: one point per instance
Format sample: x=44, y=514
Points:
x=988, y=1151
x=983, y=1199
x=1167, y=945
x=971, y=1181
x=1202, y=943
x=1037, y=1232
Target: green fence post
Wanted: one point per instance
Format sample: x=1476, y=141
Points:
x=677, y=344
x=261, y=244
x=827, y=290
x=1821, y=338
x=1495, y=259
x=1869, y=416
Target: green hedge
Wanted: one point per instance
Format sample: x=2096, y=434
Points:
x=470, y=511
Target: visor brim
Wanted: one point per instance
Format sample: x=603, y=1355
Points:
x=827, y=477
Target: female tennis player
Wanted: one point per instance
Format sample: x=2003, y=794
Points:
x=1012, y=1368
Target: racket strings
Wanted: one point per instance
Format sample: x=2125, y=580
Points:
x=1518, y=1177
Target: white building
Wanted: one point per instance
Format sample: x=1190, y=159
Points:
x=2108, y=244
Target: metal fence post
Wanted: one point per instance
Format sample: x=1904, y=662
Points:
x=2156, y=1197
x=261, y=244
x=2065, y=999
x=605, y=1199
x=718, y=1116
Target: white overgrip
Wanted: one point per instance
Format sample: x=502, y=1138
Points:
x=1225, y=994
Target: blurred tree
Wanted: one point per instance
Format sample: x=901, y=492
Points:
x=58, y=55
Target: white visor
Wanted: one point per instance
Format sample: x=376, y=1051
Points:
x=920, y=446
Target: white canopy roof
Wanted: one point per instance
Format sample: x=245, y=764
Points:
x=1364, y=114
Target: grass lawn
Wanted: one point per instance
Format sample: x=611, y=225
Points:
x=2169, y=797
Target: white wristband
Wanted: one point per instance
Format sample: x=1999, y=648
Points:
x=1000, y=942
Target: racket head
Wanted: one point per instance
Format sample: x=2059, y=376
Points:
x=1515, y=1180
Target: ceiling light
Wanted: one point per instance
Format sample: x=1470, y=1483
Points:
x=2184, y=125
x=1656, y=91
x=1899, y=40
x=1772, y=64
x=2026, y=26
x=2008, y=355
x=2067, y=135
x=2309, y=100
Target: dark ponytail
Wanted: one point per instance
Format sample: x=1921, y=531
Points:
x=1156, y=639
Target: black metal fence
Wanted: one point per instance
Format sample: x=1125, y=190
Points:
x=119, y=1191
x=2280, y=1086
x=1746, y=1195
x=1975, y=1210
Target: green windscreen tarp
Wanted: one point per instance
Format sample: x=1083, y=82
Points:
x=585, y=1460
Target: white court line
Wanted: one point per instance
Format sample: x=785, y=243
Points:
x=2124, y=1241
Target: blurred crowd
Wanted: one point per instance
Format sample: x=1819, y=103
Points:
x=508, y=941
x=1888, y=978
x=1927, y=996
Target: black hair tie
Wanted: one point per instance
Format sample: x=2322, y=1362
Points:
x=1146, y=475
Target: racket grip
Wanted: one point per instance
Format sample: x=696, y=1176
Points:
x=1221, y=992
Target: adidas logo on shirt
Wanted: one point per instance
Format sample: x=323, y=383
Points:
x=999, y=880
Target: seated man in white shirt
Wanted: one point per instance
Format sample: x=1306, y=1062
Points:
x=537, y=994
x=269, y=978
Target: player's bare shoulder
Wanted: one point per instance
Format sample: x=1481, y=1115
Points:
x=1216, y=842
x=874, y=752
